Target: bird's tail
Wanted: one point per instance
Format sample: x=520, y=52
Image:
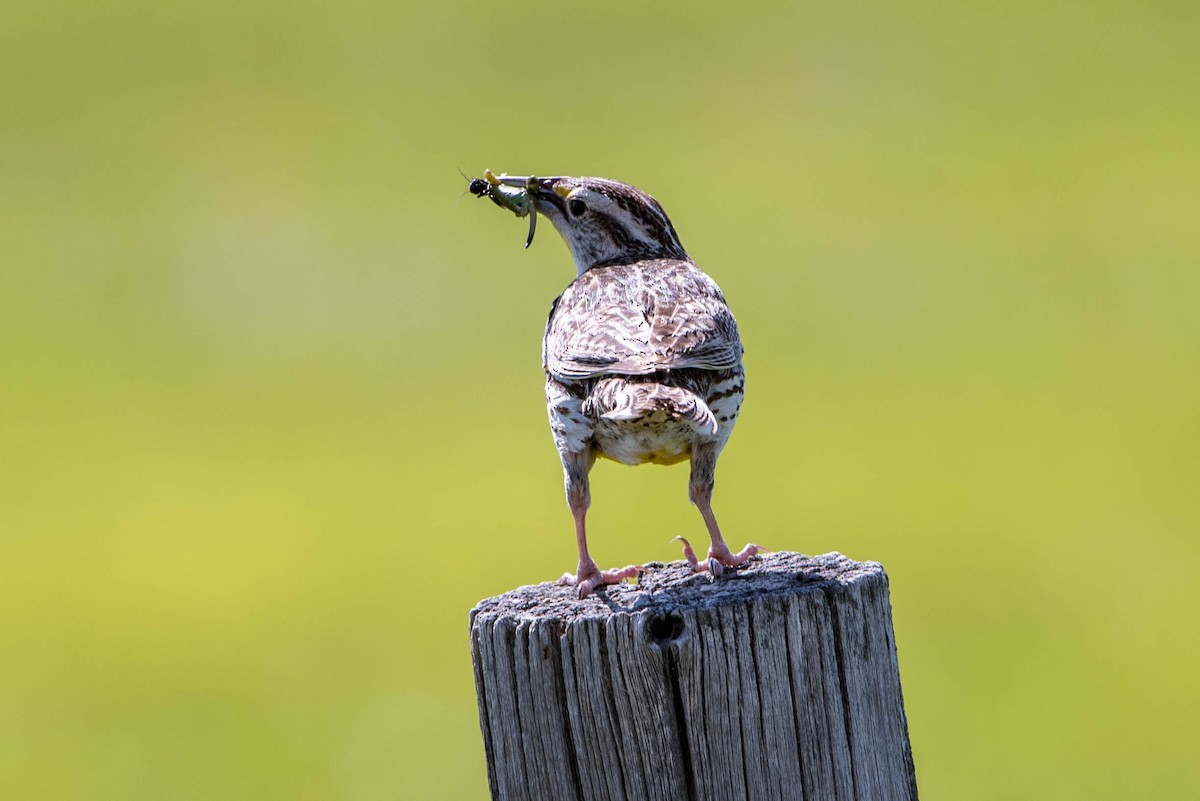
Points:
x=619, y=399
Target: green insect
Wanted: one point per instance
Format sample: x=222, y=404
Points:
x=513, y=192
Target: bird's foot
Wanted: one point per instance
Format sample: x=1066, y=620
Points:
x=719, y=558
x=590, y=577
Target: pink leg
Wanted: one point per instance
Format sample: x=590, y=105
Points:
x=704, y=460
x=588, y=575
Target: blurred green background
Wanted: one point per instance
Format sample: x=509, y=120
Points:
x=271, y=414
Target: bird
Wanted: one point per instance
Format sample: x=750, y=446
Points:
x=641, y=354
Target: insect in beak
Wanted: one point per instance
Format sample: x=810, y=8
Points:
x=516, y=193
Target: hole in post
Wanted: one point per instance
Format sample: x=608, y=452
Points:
x=664, y=628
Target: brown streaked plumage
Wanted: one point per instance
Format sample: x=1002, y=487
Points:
x=642, y=356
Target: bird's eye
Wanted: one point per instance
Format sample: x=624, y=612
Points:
x=578, y=207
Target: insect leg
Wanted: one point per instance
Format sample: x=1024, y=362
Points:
x=531, y=198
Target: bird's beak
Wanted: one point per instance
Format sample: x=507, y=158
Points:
x=546, y=195
x=533, y=194
x=545, y=191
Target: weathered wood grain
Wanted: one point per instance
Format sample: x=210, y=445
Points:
x=779, y=681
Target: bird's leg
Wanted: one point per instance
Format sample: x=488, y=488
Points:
x=700, y=489
x=588, y=575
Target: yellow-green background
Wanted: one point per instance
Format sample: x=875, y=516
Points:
x=270, y=395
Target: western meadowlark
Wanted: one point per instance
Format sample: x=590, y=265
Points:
x=642, y=356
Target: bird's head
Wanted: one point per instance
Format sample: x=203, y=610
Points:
x=603, y=222
x=607, y=222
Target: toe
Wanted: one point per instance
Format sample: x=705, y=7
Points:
x=727, y=558
x=690, y=555
x=584, y=588
x=586, y=582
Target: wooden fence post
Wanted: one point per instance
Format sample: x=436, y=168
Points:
x=777, y=682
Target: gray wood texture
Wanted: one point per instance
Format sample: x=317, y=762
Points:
x=777, y=681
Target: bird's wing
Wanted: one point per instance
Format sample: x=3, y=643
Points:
x=638, y=319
